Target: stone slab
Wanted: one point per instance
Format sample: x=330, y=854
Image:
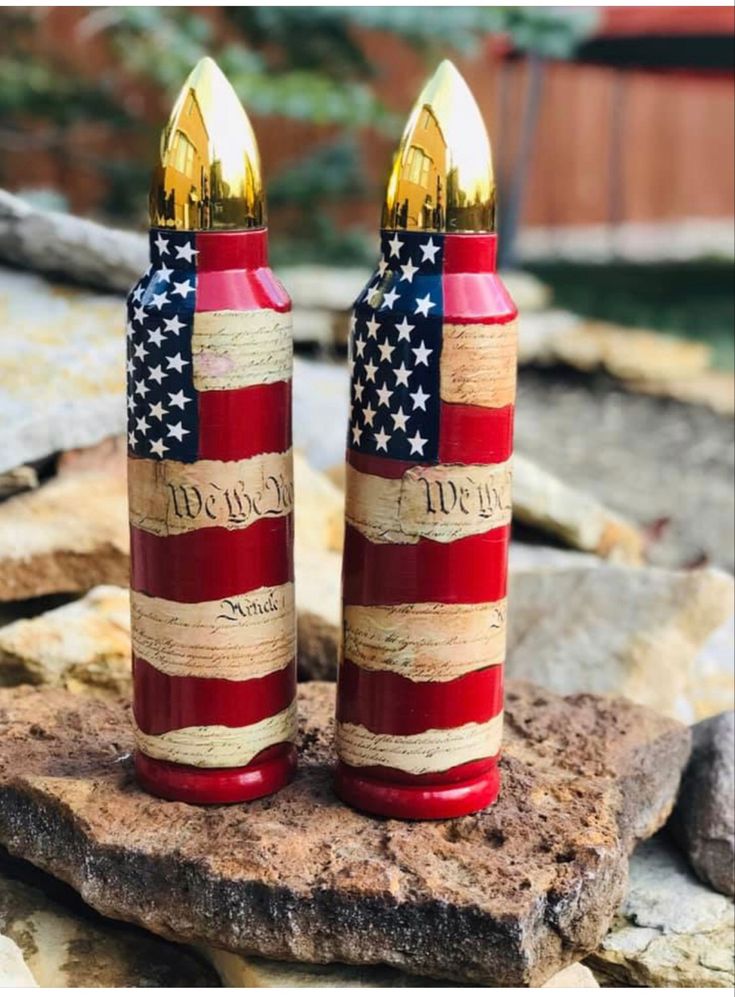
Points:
x=672, y=931
x=508, y=897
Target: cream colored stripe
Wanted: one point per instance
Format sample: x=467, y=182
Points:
x=430, y=751
x=238, y=638
x=168, y=497
x=479, y=364
x=428, y=641
x=217, y=746
x=444, y=503
x=241, y=349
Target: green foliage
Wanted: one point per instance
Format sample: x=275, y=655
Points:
x=303, y=63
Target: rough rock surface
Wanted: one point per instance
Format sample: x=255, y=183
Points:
x=67, y=944
x=704, y=818
x=655, y=461
x=238, y=971
x=63, y=377
x=84, y=645
x=541, y=500
x=63, y=245
x=508, y=896
x=611, y=629
x=671, y=930
x=20, y=479
x=13, y=969
x=317, y=647
x=319, y=508
x=66, y=536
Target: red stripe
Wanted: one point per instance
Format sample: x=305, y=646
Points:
x=247, y=250
x=388, y=703
x=476, y=297
x=169, y=702
x=471, y=434
x=473, y=569
x=458, y=773
x=245, y=422
x=470, y=252
x=240, y=291
x=212, y=563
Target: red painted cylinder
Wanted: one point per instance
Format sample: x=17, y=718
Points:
x=211, y=518
x=420, y=687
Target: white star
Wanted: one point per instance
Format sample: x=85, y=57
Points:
x=140, y=352
x=184, y=288
x=384, y=395
x=422, y=354
x=404, y=330
x=353, y=322
x=131, y=439
x=360, y=346
x=186, y=252
x=130, y=366
x=141, y=388
x=382, y=266
x=372, y=328
x=137, y=294
x=356, y=434
x=178, y=431
x=178, y=363
x=389, y=298
x=179, y=399
x=402, y=374
x=157, y=410
x=408, y=270
x=131, y=403
x=381, y=440
x=158, y=446
x=358, y=388
x=370, y=370
x=156, y=374
x=395, y=245
x=386, y=351
x=163, y=272
x=129, y=330
x=161, y=244
x=159, y=300
x=417, y=443
x=174, y=325
x=155, y=336
x=368, y=414
x=419, y=398
x=423, y=305
x=141, y=425
x=139, y=314
x=400, y=419
x=429, y=251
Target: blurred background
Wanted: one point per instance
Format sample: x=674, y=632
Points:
x=612, y=131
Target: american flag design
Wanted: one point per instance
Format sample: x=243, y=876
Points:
x=211, y=513
x=432, y=354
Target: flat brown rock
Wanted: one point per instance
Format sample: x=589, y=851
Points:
x=509, y=896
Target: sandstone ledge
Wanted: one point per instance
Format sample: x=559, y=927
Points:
x=509, y=896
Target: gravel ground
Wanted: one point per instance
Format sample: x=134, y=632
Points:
x=666, y=465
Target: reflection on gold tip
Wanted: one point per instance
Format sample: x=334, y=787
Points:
x=208, y=176
x=442, y=176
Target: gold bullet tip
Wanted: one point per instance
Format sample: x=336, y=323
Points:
x=208, y=175
x=442, y=177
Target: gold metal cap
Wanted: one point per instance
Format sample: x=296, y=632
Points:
x=209, y=175
x=442, y=177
